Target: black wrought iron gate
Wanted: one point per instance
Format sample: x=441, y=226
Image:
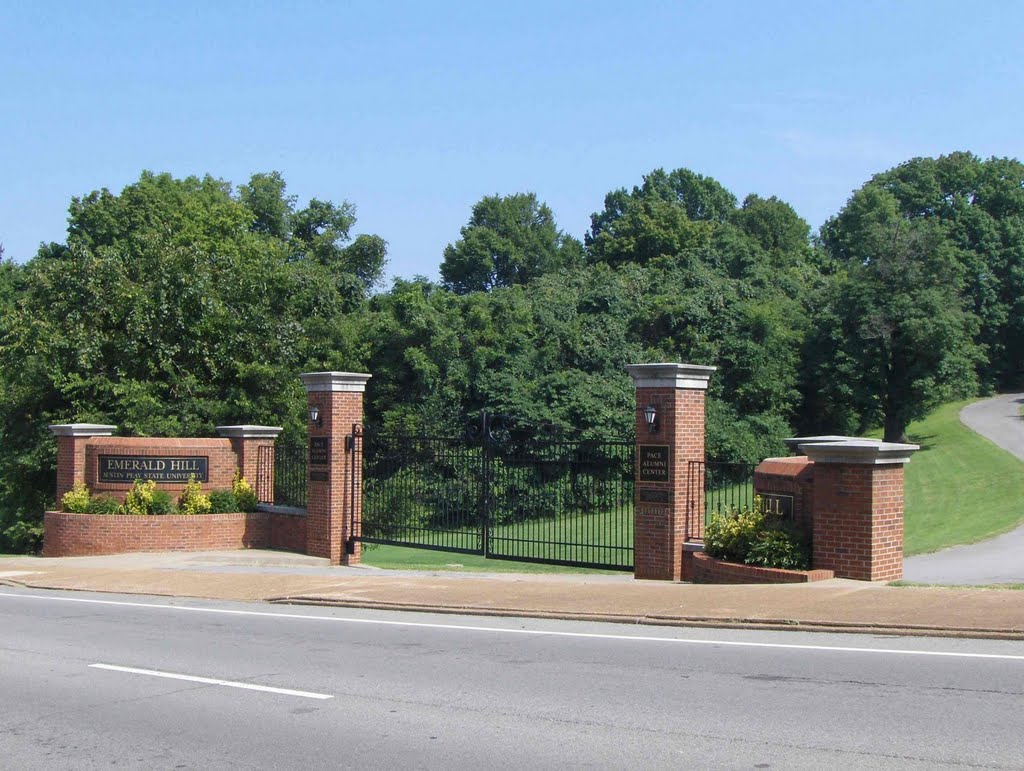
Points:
x=504, y=490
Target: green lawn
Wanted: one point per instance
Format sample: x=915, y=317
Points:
x=960, y=488
x=405, y=558
x=580, y=538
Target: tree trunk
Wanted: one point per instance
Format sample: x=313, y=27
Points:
x=895, y=429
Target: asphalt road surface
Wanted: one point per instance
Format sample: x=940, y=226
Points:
x=999, y=560
x=102, y=681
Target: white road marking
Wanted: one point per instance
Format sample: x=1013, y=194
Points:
x=212, y=681
x=531, y=632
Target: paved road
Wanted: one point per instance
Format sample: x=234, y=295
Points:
x=999, y=560
x=422, y=691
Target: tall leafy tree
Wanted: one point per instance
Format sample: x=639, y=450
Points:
x=904, y=341
x=978, y=208
x=508, y=240
x=169, y=310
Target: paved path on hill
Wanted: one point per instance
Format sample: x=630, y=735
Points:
x=999, y=560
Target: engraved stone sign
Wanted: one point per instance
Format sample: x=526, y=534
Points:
x=653, y=463
x=162, y=470
x=319, y=451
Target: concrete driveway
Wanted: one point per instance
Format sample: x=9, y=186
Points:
x=1001, y=559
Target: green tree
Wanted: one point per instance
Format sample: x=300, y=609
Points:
x=509, y=240
x=978, y=208
x=166, y=312
x=905, y=340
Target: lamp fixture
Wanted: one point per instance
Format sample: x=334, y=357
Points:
x=651, y=416
x=314, y=416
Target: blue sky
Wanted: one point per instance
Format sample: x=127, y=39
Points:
x=414, y=111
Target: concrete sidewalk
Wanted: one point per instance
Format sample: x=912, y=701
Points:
x=836, y=605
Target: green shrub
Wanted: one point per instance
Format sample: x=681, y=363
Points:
x=162, y=503
x=245, y=496
x=104, y=504
x=751, y=537
x=729, y=536
x=192, y=500
x=76, y=500
x=223, y=502
x=24, y=537
x=777, y=548
x=139, y=500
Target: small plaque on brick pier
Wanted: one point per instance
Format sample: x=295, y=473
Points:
x=778, y=503
x=319, y=476
x=319, y=451
x=162, y=470
x=654, y=495
x=653, y=463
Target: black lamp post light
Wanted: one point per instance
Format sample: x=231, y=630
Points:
x=651, y=416
x=314, y=416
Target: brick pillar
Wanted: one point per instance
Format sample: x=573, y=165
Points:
x=857, y=512
x=71, y=441
x=334, y=483
x=249, y=444
x=669, y=508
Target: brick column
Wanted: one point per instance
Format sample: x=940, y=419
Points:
x=669, y=508
x=71, y=441
x=334, y=483
x=858, y=507
x=249, y=443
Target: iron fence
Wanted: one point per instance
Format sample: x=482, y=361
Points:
x=506, y=494
x=720, y=488
x=291, y=462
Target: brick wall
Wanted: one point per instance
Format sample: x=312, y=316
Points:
x=334, y=491
x=858, y=521
x=708, y=570
x=83, y=535
x=221, y=455
x=287, y=532
x=789, y=476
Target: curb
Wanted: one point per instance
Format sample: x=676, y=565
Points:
x=711, y=622
x=773, y=624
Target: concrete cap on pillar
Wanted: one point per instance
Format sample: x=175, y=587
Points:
x=249, y=432
x=352, y=382
x=82, y=429
x=693, y=376
x=859, y=451
x=796, y=441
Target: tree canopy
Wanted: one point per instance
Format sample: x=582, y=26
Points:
x=180, y=304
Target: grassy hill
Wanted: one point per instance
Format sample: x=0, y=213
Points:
x=960, y=488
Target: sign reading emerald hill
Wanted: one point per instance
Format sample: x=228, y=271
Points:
x=653, y=462
x=127, y=468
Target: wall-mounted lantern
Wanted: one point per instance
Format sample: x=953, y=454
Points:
x=651, y=416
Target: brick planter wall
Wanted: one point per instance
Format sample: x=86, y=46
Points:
x=288, y=531
x=85, y=535
x=708, y=570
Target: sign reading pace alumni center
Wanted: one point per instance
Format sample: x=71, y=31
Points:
x=653, y=462
x=127, y=468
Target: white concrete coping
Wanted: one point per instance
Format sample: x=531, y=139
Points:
x=82, y=429
x=249, y=432
x=693, y=376
x=859, y=451
x=794, y=442
x=352, y=382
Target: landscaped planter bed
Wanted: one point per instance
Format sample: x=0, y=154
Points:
x=708, y=570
